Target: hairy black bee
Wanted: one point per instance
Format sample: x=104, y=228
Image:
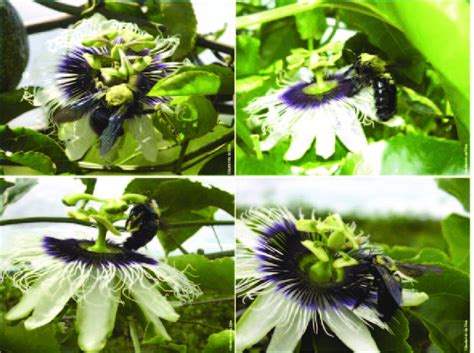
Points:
x=370, y=70
x=143, y=222
x=387, y=281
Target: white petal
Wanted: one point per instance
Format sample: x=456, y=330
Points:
x=246, y=266
x=159, y=328
x=413, y=298
x=79, y=137
x=51, y=302
x=95, y=318
x=371, y=316
x=270, y=141
x=256, y=322
x=245, y=235
x=349, y=129
x=285, y=338
x=151, y=301
x=146, y=136
x=350, y=330
x=31, y=298
x=325, y=136
x=302, y=136
x=364, y=101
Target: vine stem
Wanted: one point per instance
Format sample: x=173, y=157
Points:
x=294, y=9
x=11, y=221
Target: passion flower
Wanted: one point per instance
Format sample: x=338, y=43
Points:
x=313, y=272
x=101, y=81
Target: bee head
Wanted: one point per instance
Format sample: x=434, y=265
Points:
x=373, y=61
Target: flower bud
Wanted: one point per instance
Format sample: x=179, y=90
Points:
x=134, y=198
x=115, y=206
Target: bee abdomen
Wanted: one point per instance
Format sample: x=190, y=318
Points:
x=385, y=94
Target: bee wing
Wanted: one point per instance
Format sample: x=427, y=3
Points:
x=392, y=283
x=111, y=133
x=66, y=115
x=417, y=270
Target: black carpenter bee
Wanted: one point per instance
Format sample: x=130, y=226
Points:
x=371, y=70
x=387, y=281
x=143, y=222
x=106, y=122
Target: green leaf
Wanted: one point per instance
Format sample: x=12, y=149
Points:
x=186, y=84
x=13, y=105
x=277, y=40
x=249, y=62
x=311, y=24
x=220, y=342
x=448, y=288
x=177, y=195
x=180, y=20
x=89, y=183
x=12, y=192
x=395, y=341
x=226, y=75
x=210, y=275
x=410, y=155
x=456, y=232
x=21, y=140
x=16, y=339
x=34, y=160
x=195, y=116
x=458, y=187
x=125, y=7
x=443, y=25
x=222, y=164
x=171, y=239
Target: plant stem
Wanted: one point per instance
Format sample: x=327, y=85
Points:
x=310, y=44
x=12, y=221
x=294, y=9
x=101, y=242
x=134, y=337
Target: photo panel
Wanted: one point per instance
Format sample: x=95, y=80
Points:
x=352, y=265
x=353, y=87
x=117, y=265
x=134, y=87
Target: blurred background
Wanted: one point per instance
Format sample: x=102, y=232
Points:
x=395, y=211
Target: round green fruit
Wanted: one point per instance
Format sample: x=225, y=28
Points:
x=14, y=49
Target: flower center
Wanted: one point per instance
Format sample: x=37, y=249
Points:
x=319, y=88
x=77, y=251
x=118, y=95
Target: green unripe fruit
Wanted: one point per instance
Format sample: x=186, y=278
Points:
x=14, y=49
